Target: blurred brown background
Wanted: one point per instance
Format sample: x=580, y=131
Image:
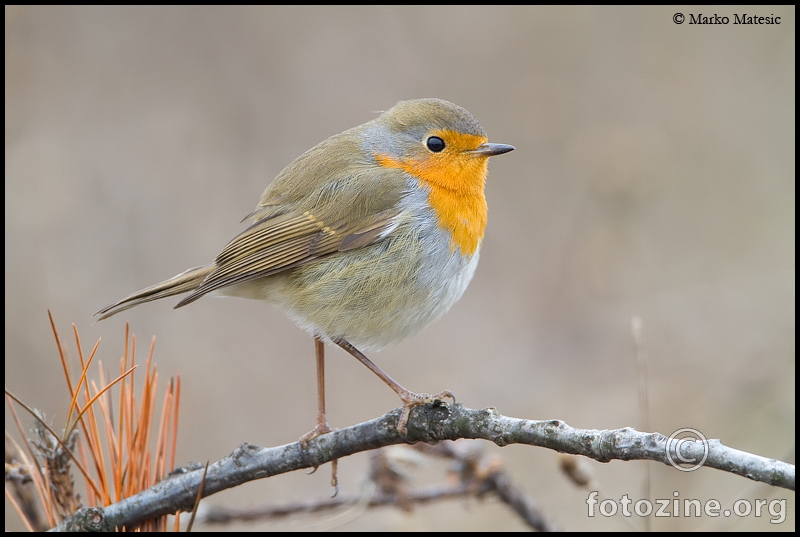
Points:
x=654, y=176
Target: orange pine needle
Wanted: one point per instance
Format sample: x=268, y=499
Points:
x=131, y=466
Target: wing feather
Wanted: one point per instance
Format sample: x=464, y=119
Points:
x=286, y=241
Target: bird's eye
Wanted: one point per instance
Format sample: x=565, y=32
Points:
x=435, y=144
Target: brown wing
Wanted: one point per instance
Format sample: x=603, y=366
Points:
x=327, y=200
x=289, y=240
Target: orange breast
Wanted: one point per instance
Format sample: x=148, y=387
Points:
x=456, y=180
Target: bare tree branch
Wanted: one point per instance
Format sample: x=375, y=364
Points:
x=430, y=424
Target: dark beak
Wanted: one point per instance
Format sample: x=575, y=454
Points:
x=488, y=150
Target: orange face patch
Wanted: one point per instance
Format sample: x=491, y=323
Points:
x=456, y=179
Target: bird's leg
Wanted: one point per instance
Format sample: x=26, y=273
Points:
x=322, y=426
x=409, y=398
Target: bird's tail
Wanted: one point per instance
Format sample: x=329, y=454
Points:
x=182, y=283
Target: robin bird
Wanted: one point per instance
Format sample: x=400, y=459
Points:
x=364, y=239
